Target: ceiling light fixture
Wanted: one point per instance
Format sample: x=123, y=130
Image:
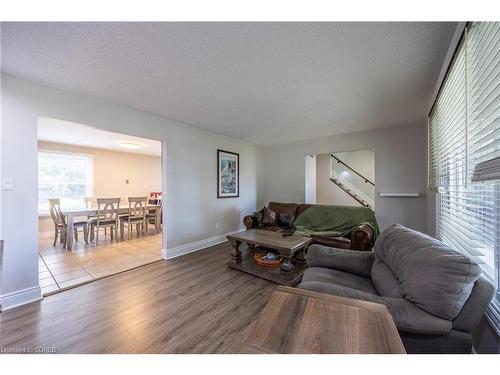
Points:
x=130, y=145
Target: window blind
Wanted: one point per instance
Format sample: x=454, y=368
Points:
x=483, y=131
x=464, y=150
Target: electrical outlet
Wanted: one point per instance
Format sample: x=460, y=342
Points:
x=217, y=225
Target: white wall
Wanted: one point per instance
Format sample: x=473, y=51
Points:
x=310, y=179
x=400, y=165
x=191, y=193
x=111, y=170
x=363, y=161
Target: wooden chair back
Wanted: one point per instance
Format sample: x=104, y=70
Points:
x=89, y=202
x=107, y=209
x=137, y=207
x=157, y=202
x=55, y=212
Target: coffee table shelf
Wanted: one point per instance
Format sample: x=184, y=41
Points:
x=289, y=247
x=273, y=274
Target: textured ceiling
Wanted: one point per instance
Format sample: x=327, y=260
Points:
x=72, y=133
x=264, y=83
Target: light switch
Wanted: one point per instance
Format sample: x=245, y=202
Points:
x=7, y=184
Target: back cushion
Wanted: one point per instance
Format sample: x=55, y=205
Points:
x=302, y=207
x=430, y=274
x=385, y=281
x=283, y=208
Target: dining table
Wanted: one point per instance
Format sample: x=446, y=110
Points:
x=71, y=214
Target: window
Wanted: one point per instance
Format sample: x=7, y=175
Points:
x=64, y=176
x=464, y=133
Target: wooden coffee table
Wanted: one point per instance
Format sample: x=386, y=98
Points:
x=291, y=270
x=301, y=321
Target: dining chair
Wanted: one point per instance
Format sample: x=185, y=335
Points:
x=153, y=216
x=60, y=225
x=89, y=202
x=136, y=215
x=107, y=217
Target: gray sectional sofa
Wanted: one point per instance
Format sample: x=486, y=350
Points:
x=434, y=293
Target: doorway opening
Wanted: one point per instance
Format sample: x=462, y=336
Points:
x=100, y=203
x=341, y=178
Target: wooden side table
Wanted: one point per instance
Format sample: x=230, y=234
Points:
x=301, y=321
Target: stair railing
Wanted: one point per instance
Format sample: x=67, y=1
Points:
x=353, y=170
x=358, y=187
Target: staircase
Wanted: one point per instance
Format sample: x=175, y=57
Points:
x=358, y=187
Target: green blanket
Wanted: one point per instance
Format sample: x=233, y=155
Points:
x=324, y=220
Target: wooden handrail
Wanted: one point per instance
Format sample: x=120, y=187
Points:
x=356, y=172
x=348, y=192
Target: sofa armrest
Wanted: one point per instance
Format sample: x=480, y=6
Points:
x=362, y=237
x=476, y=305
x=356, y=262
x=250, y=221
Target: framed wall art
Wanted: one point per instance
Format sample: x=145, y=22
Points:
x=228, y=174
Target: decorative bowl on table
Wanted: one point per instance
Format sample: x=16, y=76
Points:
x=268, y=259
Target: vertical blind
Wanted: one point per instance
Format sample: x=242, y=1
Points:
x=464, y=133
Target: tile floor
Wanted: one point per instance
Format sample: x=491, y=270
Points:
x=60, y=269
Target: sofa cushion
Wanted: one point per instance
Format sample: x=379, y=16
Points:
x=302, y=207
x=283, y=208
x=351, y=261
x=331, y=276
x=430, y=274
x=407, y=316
x=339, y=290
x=384, y=280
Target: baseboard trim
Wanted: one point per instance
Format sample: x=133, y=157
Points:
x=20, y=297
x=195, y=246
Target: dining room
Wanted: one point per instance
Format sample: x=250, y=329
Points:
x=99, y=203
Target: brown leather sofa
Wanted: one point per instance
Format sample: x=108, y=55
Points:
x=360, y=237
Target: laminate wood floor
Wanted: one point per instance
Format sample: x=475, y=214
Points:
x=60, y=269
x=191, y=304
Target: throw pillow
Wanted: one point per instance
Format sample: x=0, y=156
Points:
x=268, y=217
x=259, y=215
x=285, y=220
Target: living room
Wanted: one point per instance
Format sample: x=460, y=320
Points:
x=327, y=187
